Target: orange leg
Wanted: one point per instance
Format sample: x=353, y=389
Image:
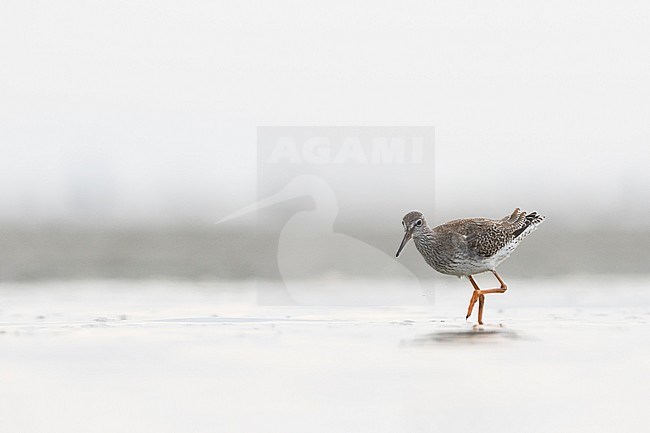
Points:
x=472, y=301
x=481, y=303
x=474, y=297
x=478, y=295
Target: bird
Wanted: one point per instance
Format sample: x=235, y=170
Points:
x=469, y=246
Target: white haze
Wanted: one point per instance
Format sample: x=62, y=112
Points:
x=140, y=112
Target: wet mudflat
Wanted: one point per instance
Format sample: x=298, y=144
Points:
x=554, y=355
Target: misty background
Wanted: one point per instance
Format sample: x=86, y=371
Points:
x=129, y=128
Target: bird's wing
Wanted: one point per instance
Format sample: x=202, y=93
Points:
x=485, y=237
x=517, y=216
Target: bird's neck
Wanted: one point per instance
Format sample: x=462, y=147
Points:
x=426, y=242
x=426, y=236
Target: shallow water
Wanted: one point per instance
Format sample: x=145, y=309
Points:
x=155, y=356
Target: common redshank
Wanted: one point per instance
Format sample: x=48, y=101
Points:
x=470, y=246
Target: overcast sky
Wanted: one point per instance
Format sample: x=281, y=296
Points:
x=147, y=111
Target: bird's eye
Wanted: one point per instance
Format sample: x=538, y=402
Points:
x=418, y=223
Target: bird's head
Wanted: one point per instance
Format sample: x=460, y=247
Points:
x=413, y=223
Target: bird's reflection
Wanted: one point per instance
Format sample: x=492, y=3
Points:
x=474, y=335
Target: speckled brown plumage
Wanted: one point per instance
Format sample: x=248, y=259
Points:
x=487, y=236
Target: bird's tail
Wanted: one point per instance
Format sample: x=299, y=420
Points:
x=529, y=222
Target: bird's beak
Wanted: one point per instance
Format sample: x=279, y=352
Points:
x=407, y=236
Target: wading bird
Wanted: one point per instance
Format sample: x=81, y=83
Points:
x=470, y=246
